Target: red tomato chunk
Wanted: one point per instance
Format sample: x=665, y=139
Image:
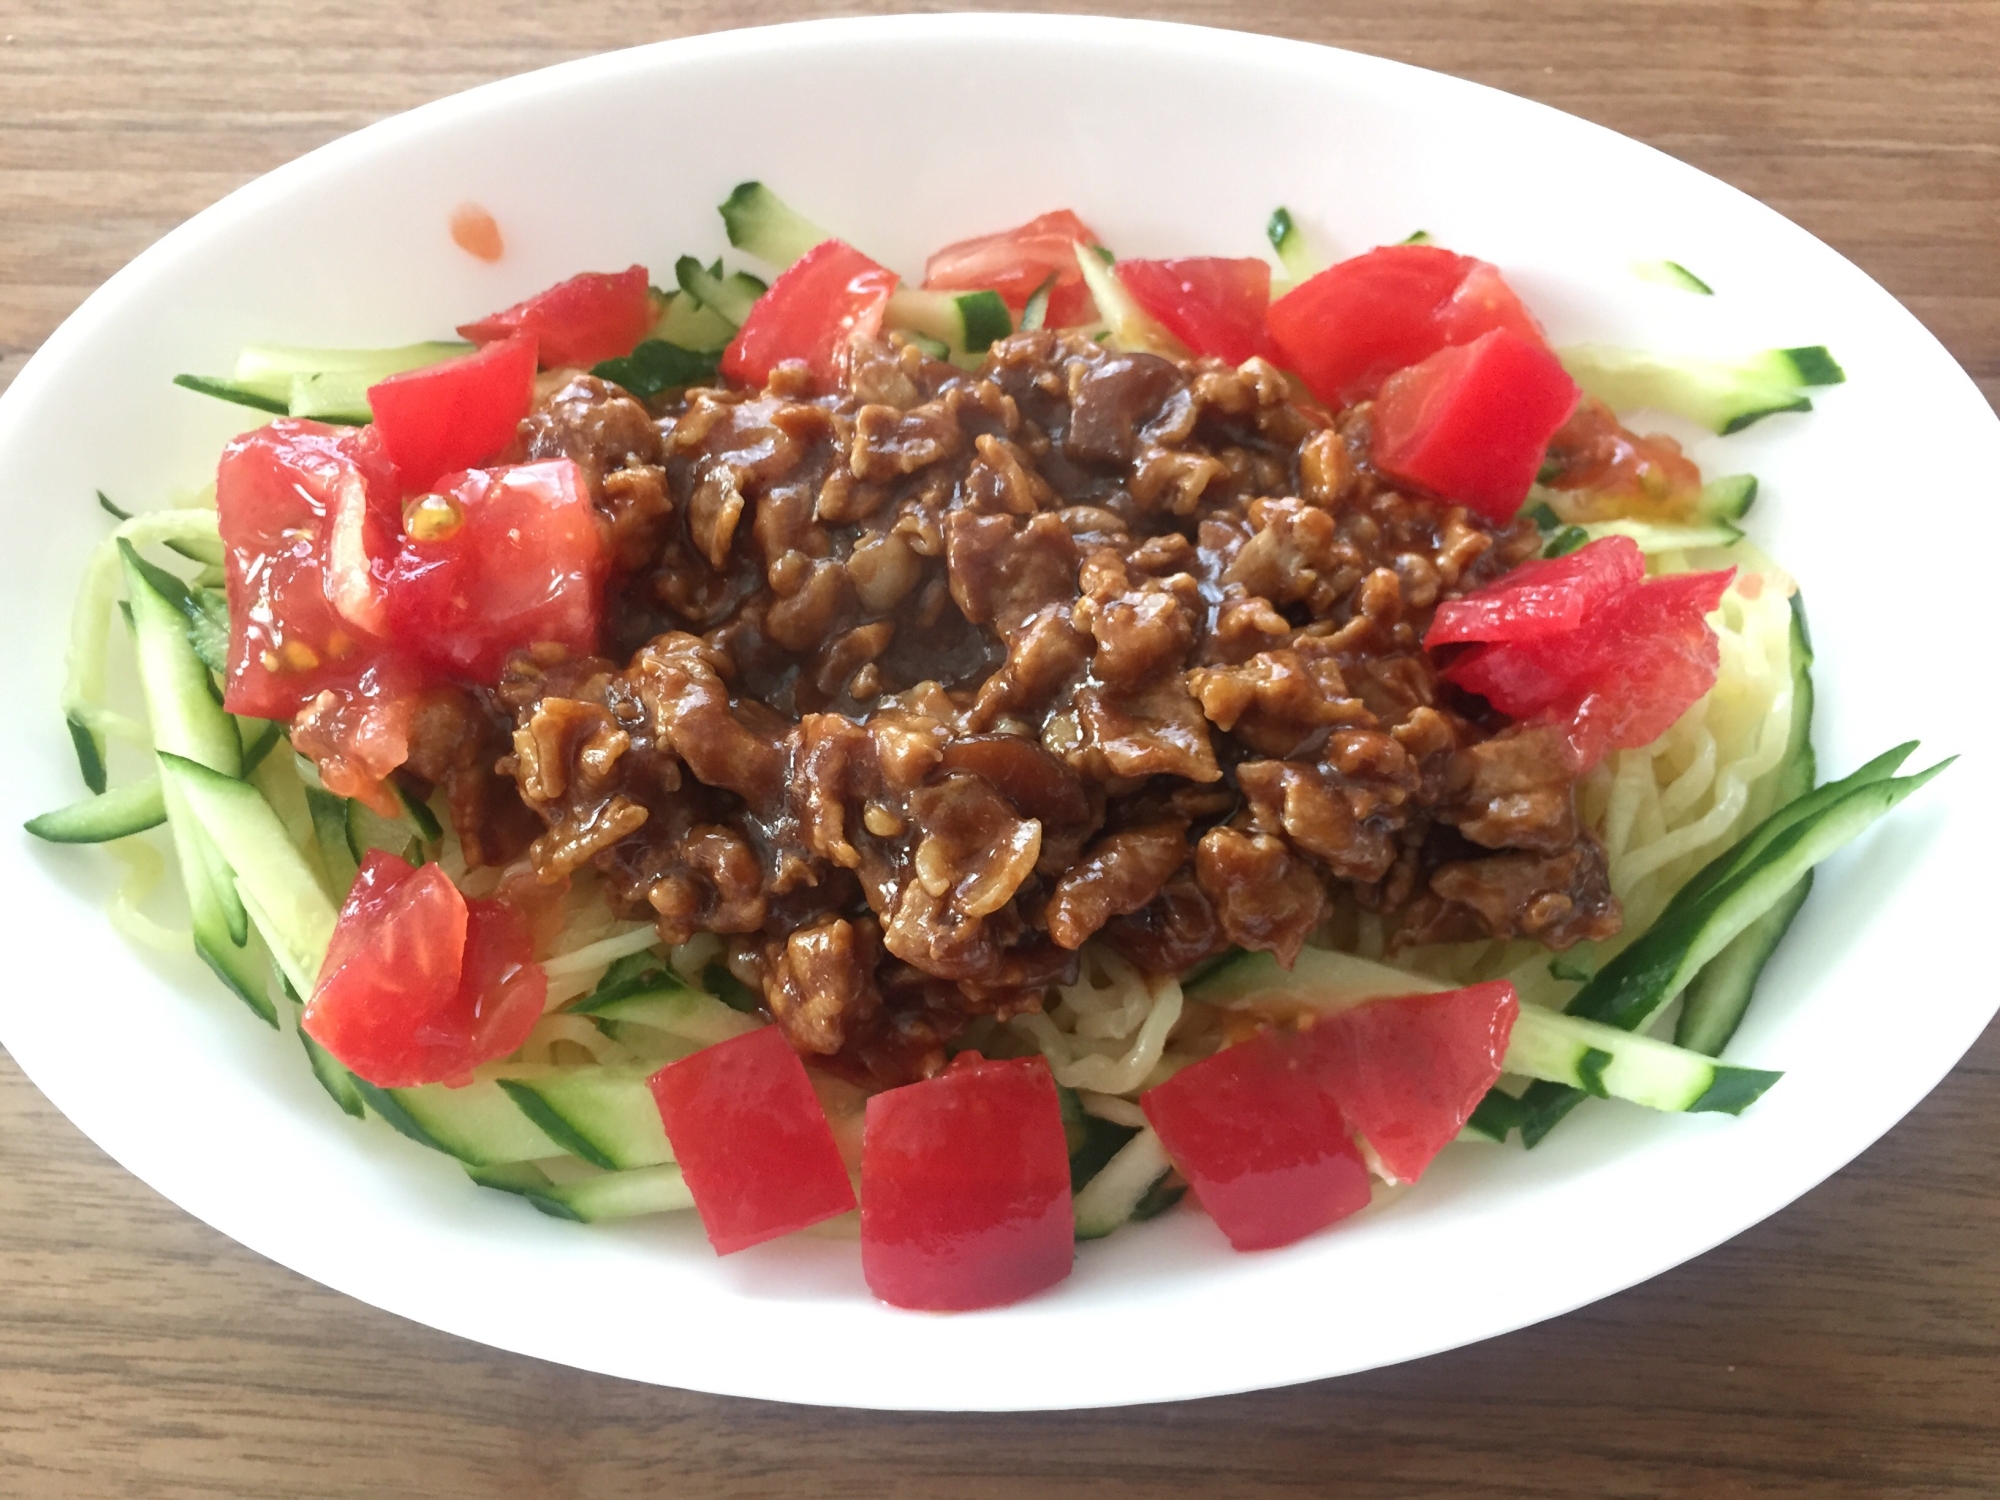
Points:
x=420, y=985
x=499, y=559
x=1472, y=422
x=275, y=491
x=1409, y=1072
x=1212, y=305
x=1016, y=262
x=1348, y=328
x=456, y=414
x=1261, y=1141
x=596, y=316
x=752, y=1141
x=1621, y=679
x=1544, y=597
x=965, y=1195
x=813, y=312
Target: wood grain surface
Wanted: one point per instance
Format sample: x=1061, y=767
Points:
x=1847, y=1348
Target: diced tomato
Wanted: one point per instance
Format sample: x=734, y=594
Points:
x=276, y=492
x=1611, y=471
x=752, y=1141
x=358, y=731
x=1408, y=1072
x=813, y=312
x=965, y=1193
x=1471, y=422
x=1482, y=303
x=1354, y=324
x=1261, y=1140
x=1621, y=679
x=1212, y=304
x=596, y=316
x=420, y=985
x=1016, y=262
x=496, y=560
x=1546, y=596
x=456, y=414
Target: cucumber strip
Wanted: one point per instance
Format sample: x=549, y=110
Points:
x=207, y=612
x=479, y=1124
x=1718, y=996
x=1724, y=397
x=1610, y=1063
x=1289, y=241
x=935, y=348
x=657, y=366
x=1706, y=917
x=419, y=813
x=295, y=913
x=967, y=323
x=268, y=396
x=1109, y=1199
x=244, y=969
x=760, y=223
x=367, y=829
x=1416, y=237
x=280, y=362
x=615, y=1195
x=1672, y=273
x=110, y=815
x=89, y=755
x=332, y=396
x=1127, y=325
x=1746, y=851
x=1036, y=310
x=261, y=742
x=606, y=1116
x=180, y=696
x=728, y=297
x=194, y=549
x=329, y=824
x=341, y=1086
x=189, y=722
x=686, y=324
x=1636, y=984
x=1654, y=539
x=682, y=1012
x=1727, y=498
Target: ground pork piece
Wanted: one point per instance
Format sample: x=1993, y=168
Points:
x=1516, y=791
x=1265, y=896
x=1171, y=933
x=1347, y=826
x=819, y=982
x=1115, y=877
x=1557, y=899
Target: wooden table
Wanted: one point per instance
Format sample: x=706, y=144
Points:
x=1847, y=1348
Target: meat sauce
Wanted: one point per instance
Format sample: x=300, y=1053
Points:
x=915, y=689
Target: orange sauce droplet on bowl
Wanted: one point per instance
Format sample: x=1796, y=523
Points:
x=474, y=231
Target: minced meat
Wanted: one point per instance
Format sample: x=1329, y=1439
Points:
x=915, y=689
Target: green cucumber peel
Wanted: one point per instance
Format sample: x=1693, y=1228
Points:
x=89, y=755
x=257, y=398
x=728, y=297
x=1288, y=241
x=341, y=1086
x=760, y=223
x=1722, y=901
x=554, y=1126
x=1036, y=312
x=1672, y=273
x=105, y=816
x=657, y=366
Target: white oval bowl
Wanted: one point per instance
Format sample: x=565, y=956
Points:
x=903, y=133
